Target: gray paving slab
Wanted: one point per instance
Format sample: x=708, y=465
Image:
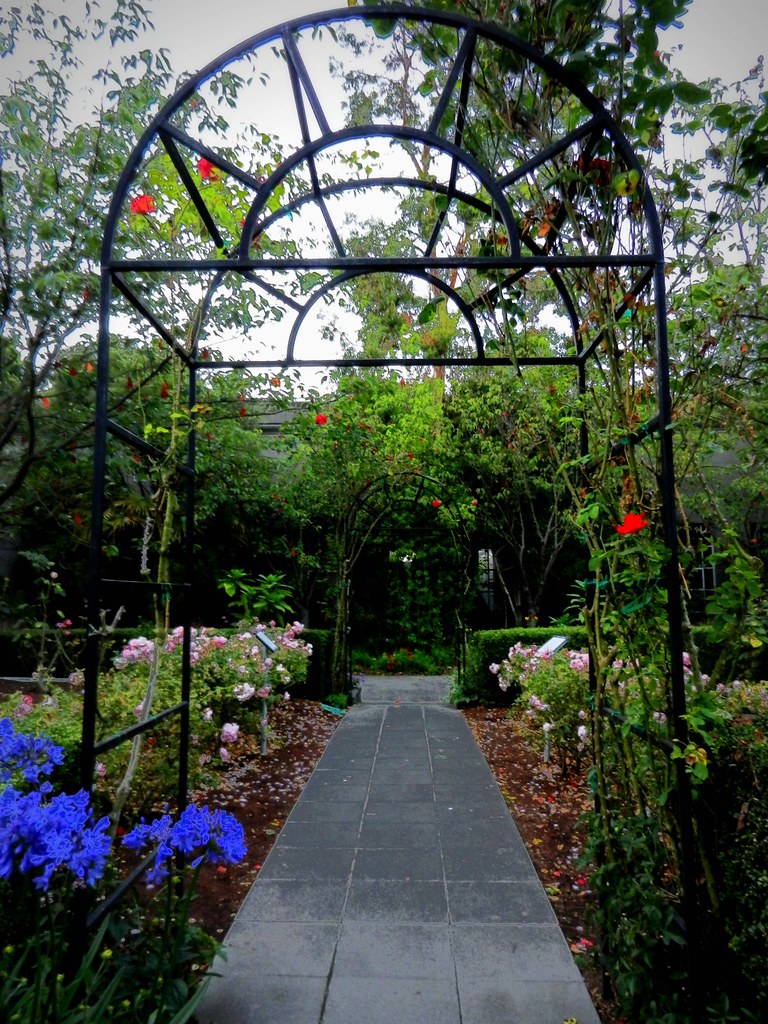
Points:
x=399, y=890
x=406, y=689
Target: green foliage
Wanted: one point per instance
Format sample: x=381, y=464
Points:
x=269, y=594
x=738, y=827
x=336, y=700
x=436, y=661
x=512, y=436
x=55, y=162
x=639, y=922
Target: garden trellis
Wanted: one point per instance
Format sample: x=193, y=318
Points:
x=234, y=255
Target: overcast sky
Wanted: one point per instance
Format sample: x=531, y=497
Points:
x=721, y=38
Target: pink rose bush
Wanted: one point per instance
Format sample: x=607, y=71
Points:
x=554, y=698
x=232, y=675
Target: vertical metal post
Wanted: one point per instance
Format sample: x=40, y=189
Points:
x=187, y=590
x=93, y=638
x=675, y=639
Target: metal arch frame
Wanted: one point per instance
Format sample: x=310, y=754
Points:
x=387, y=485
x=511, y=267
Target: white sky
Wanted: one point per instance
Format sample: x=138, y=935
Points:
x=721, y=38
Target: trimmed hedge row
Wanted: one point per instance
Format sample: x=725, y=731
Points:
x=478, y=685
x=18, y=649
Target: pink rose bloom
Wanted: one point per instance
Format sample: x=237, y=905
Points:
x=229, y=732
x=264, y=691
x=224, y=754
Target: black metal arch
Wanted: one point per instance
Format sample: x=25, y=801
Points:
x=374, y=502
x=428, y=138
x=133, y=262
x=596, y=129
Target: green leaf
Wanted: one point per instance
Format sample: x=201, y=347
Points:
x=687, y=92
x=428, y=313
x=310, y=281
x=383, y=27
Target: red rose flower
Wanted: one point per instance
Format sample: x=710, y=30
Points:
x=143, y=204
x=633, y=523
x=321, y=419
x=436, y=503
x=208, y=170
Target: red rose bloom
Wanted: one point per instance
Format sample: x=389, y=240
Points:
x=143, y=204
x=633, y=523
x=321, y=419
x=436, y=503
x=208, y=170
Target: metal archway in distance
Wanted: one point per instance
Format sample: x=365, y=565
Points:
x=234, y=252
x=370, y=515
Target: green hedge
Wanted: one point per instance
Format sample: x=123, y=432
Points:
x=478, y=685
x=18, y=648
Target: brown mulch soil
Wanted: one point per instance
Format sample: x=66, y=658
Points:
x=262, y=789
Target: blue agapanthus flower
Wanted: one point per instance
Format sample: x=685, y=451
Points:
x=200, y=834
x=39, y=837
x=39, y=834
x=25, y=754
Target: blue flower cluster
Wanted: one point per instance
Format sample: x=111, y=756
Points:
x=37, y=835
x=200, y=833
x=27, y=754
x=40, y=834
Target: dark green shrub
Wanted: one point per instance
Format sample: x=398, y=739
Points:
x=639, y=919
x=336, y=700
x=319, y=668
x=737, y=800
x=436, y=661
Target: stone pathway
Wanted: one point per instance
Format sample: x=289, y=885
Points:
x=399, y=890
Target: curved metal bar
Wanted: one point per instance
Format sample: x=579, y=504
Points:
x=307, y=153
x=349, y=275
x=381, y=181
x=392, y=12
